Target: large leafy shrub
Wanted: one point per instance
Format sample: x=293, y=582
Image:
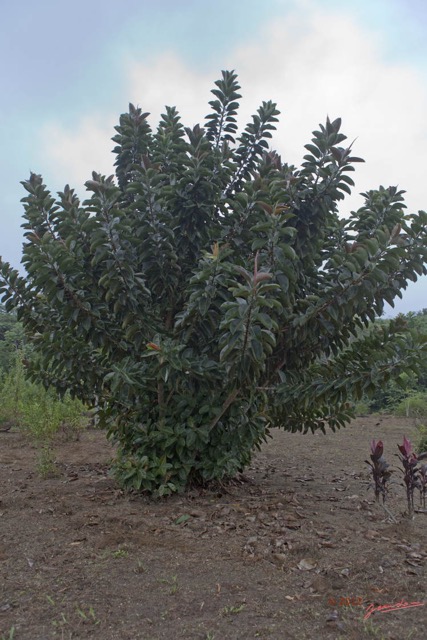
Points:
x=210, y=291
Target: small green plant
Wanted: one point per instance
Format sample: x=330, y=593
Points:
x=46, y=461
x=9, y=635
x=172, y=583
x=182, y=518
x=362, y=408
x=61, y=622
x=372, y=631
x=88, y=616
x=232, y=610
x=140, y=568
x=120, y=553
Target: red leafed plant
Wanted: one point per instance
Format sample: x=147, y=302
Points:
x=380, y=469
x=423, y=484
x=414, y=475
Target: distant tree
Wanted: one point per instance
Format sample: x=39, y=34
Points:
x=7, y=321
x=418, y=323
x=11, y=339
x=389, y=396
x=212, y=292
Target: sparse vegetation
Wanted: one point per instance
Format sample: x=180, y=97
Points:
x=172, y=584
x=120, y=553
x=230, y=610
x=40, y=413
x=407, y=394
x=87, y=614
x=413, y=406
x=421, y=444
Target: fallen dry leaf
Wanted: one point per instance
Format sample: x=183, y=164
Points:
x=307, y=564
x=412, y=563
x=370, y=534
x=323, y=534
x=280, y=557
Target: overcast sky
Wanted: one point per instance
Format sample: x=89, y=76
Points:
x=68, y=69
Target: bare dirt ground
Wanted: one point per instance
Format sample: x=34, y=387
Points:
x=298, y=550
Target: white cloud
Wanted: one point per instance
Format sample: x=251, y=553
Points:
x=312, y=63
x=166, y=80
x=71, y=154
x=317, y=63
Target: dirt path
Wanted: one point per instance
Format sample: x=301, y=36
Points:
x=299, y=550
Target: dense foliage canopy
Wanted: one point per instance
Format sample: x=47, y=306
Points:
x=210, y=291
